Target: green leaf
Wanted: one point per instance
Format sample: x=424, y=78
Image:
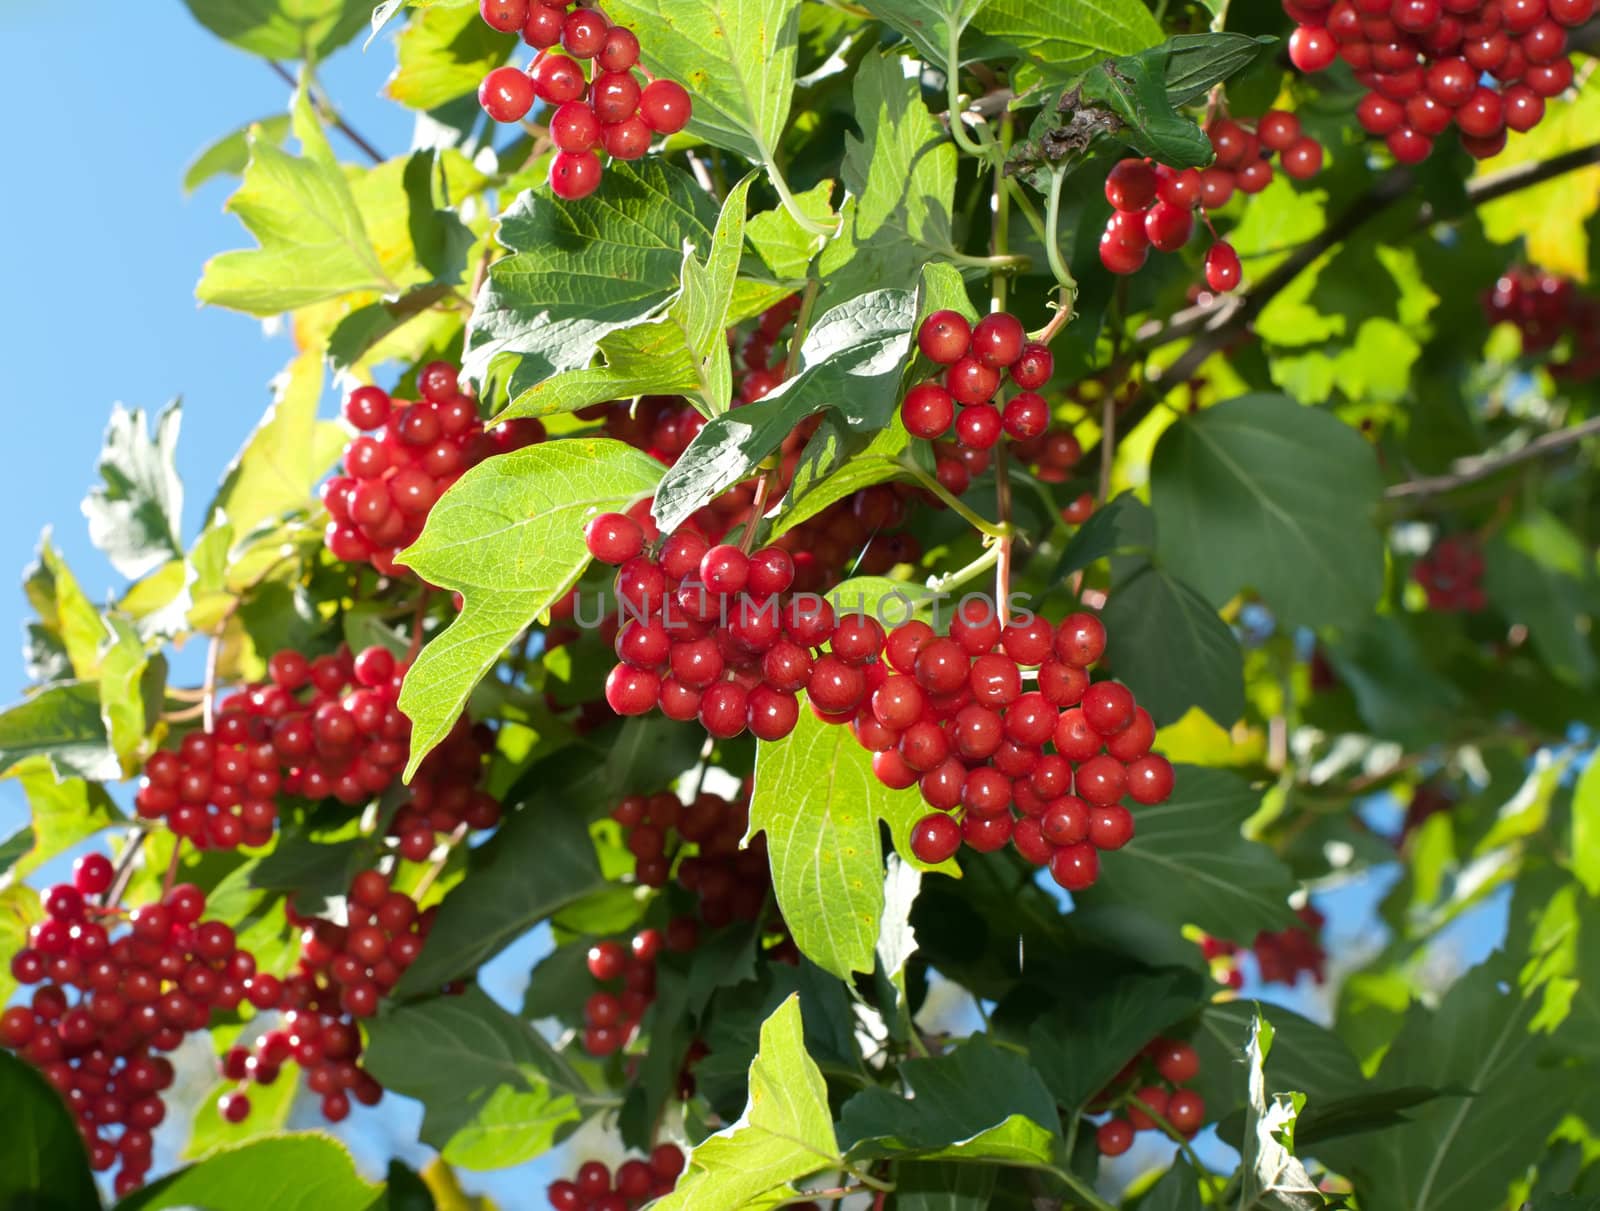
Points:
x=785, y=1133
x=282, y=460
x=1178, y=1190
x=438, y=236
x=508, y=536
x=850, y=364
x=20, y=910
x=1082, y=1043
x=442, y=54
x=705, y=293
x=229, y=155
x=125, y=672
x=43, y=1165
x=1122, y=526
x=1462, y=1153
x=1261, y=492
x=818, y=802
x=1196, y=62
x=61, y=814
x=313, y=240
x=283, y=29
x=1188, y=863
x=1157, y=624
x=1400, y=697
x=1586, y=828
x=75, y=619
x=978, y=1102
x=942, y=1186
x=1270, y=1176
x=539, y=860
x=579, y=270
x=930, y=24
x=1060, y=41
x=1309, y=1058
x=269, y=1115
x=355, y=336
x=62, y=723
x=900, y=178
x=736, y=58
x=1539, y=573
x=302, y=1172
x=784, y=246
x=495, y=1093
x=1134, y=88
x=135, y=512
x=646, y=359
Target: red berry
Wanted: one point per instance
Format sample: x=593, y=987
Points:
x=574, y=174
x=1312, y=48
x=632, y=691
x=1186, y=1111
x=1409, y=146
x=506, y=94
x=1178, y=1063
x=1131, y=185
x=506, y=16
x=574, y=127
x=1303, y=159
x=1100, y=780
x=92, y=874
x=665, y=107
x=626, y=140
x=944, y=337
x=1114, y=1137
x=542, y=29
x=935, y=838
x=1080, y=640
x=1222, y=267
x=367, y=408
x=614, y=96
x=557, y=79
x=1150, y=779
x=620, y=51
x=1168, y=227
x=997, y=340
x=583, y=33
x=927, y=411
x=1108, y=707
x=1277, y=130
x=613, y=538
x=1075, y=867
x=1026, y=416
x=1110, y=826
x=970, y=381
x=1179, y=188
x=979, y=427
x=1033, y=367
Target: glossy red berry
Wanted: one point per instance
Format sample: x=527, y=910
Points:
x=506, y=94
x=944, y=337
x=574, y=127
x=506, y=16
x=613, y=538
x=1033, y=367
x=1131, y=185
x=557, y=79
x=1114, y=1137
x=1223, y=271
x=665, y=107
x=1312, y=48
x=998, y=339
x=1168, y=227
x=935, y=838
x=574, y=174
x=927, y=411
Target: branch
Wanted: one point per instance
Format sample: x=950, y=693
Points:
x=1471, y=470
x=330, y=114
x=1215, y=324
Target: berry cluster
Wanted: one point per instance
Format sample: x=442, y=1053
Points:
x=949, y=715
x=612, y=1015
x=636, y=1182
x=731, y=884
x=106, y=1005
x=1423, y=63
x=1153, y=206
x=976, y=357
x=342, y=973
x=1151, y=1087
x=608, y=110
x=762, y=356
x=445, y=793
x=1451, y=574
x=1244, y=156
x=1545, y=309
x=406, y=456
x=1281, y=955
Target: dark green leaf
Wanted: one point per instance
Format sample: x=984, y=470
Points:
x=1135, y=89
x=1195, y=62
x=1084, y=1042
x=1060, y=41
x=43, y=1165
x=1178, y=1190
x=1309, y=1058
x=579, y=270
x=1122, y=526
x=135, y=512
x=1156, y=625
x=1188, y=863
x=496, y=1094
x=540, y=860
x=1539, y=573
x=977, y=1102
x=1399, y=696
x=440, y=238
x=1262, y=492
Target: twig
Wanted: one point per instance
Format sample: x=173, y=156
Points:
x=436, y=866
x=171, y=876
x=126, y=860
x=208, y=695
x=758, y=510
x=330, y=114
x=802, y=324
x=1471, y=470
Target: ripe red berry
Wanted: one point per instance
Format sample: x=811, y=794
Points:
x=1178, y=1063
x=1223, y=270
x=927, y=411
x=1179, y=188
x=979, y=427
x=970, y=381
x=665, y=107
x=574, y=174
x=997, y=340
x=1312, y=48
x=1075, y=867
x=506, y=16
x=574, y=127
x=613, y=538
x=1409, y=146
x=583, y=33
x=1277, y=129
x=1026, y=416
x=1110, y=826
x=1080, y=640
x=557, y=79
x=1131, y=185
x=1186, y=1111
x=506, y=94
x=1114, y=1137
x=1150, y=779
x=1168, y=227
x=614, y=96
x=620, y=51
x=626, y=140
x=935, y=838
x=1033, y=367
x=1303, y=159
x=542, y=29
x=92, y=874
x=1108, y=707
x=944, y=337
x=367, y=407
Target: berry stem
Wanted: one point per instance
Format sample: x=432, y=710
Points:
x=1472, y=470
x=802, y=325
x=999, y=240
x=758, y=510
x=972, y=571
x=790, y=203
x=418, y=617
x=126, y=861
x=1052, y=248
x=973, y=519
x=171, y=877
x=1002, y=565
x=1177, y=1137
x=952, y=76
